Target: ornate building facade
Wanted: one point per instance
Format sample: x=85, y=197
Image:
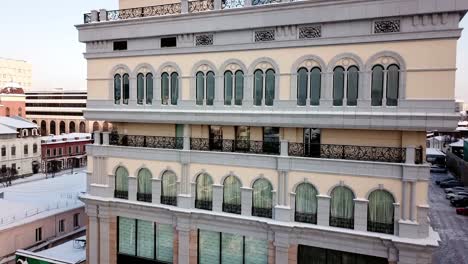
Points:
x=266, y=131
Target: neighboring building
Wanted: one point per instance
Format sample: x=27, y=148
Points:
x=71, y=252
x=64, y=151
x=39, y=213
x=12, y=100
x=17, y=71
x=57, y=112
x=267, y=133
x=19, y=146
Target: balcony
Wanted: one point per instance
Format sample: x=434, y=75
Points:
x=169, y=200
x=121, y=194
x=262, y=212
x=305, y=218
x=380, y=227
x=342, y=222
x=232, y=208
x=144, y=197
x=231, y=145
x=205, y=205
x=146, y=141
x=183, y=7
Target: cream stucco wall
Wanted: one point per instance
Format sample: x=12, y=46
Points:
x=133, y=166
x=430, y=64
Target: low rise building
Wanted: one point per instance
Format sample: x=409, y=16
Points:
x=12, y=100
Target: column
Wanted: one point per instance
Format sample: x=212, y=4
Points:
x=106, y=242
x=217, y=198
x=184, y=199
x=412, y=201
x=97, y=138
x=184, y=10
x=410, y=154
x=132, y=188
x=246, y=201
x=187, y=135
x=403, y=200
x=282, y=209
x=92, y=235
x=284, y=148
x=323, y=210
x=156, y=191
x=327, y=99
x=105, y=138
x=360, y=214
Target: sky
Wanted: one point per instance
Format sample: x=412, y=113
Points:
x=43, y=33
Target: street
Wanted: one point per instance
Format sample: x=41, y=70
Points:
x=452, y=228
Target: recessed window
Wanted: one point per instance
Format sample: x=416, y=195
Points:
x=76, y=220
x=168, y=42
x=38, y=234
x=61, y=226
x=120, y=45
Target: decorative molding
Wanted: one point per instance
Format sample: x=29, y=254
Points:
x=310, y=32
x=387, y=26
x=264, y=35
x=204, y=40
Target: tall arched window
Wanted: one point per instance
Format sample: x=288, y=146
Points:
x=149, y=88
x=169, y=88
x=204, y=192
x=210, y=88
x=117, y=88
x=342, y=207
x=96, y=126
x=232, y=195
x=34, y=148
x=71, y=127
x=258, y=87
x=302, y=80
x=315, y=86
x=140, y=88
x=393, y=84
x=205, y=85
x=169, y=188
x=228, y=87
x=26, y=149
x=62, y=127
x=239, y=87
x=52, y=127
x=174, y=88
x=121, y=183
x=144, y=186
x=165, y=88
x=269, y=87
x=306, y=204
x=338, y=86
x=200, y=87
x=262, y=198
x=380, y=213
x=377, y=85
x=353, y=85
x=43, y=128
x=126, y=88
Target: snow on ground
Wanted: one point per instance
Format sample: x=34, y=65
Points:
x=36, y=199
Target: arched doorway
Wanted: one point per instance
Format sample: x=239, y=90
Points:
x=96, y=126
x=82, y=127
x=62, y=127
x=52, y=128
x=43, y=128
x=105, y=126
x=71, y=127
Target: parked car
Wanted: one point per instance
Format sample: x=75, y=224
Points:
x=437, y=160
x=455, y=189
x=451, y=196
x=460, y=201
x=452, y=183
x=446, y=178
x=462, y=210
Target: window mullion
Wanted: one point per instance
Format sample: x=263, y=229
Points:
x=136, y=237
x=384, y=87
x=308, y=91
x=263, y=88
x=345, y=88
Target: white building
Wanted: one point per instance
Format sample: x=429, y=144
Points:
x=18, y=71
x=19, y=145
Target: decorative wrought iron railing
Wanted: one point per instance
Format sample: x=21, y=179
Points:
x=121, y=194
x=305, y=218
x=348, y=152
x=202, y=204
x=148, y=11
x=145, y=197
x=262, y=212
x=264, y=2
x=380, y=227
x=232, y=208
x=232, y=145
x=227, y=4
x=87, y=18
x=419, y=155
x=342, y=222
x=200, y=6
x=146, y=141
x=169, y=200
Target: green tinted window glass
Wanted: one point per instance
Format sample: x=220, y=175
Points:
x=145, y=239
x=165, y=88
x=117, y=88
x=393, y=80
x=338, y=86
x=127, y=232
x=269, y=87
x=256, y=251
x=227, y=88
x=210, y=88
x=140, y=88
x=315, y=86
x=353, y=86
x=258, y=87
x=174, y=88
x=231, y=249
x=239, y=93
x=149, y=88
x=208, y=247
x=164, y=242
x=377, y=85
x=126, y=88
x=302, y=76
x=200, y=88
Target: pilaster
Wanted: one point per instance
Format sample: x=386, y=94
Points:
x=217, y=198
x=360, y=214
x=246, y=201
x=97, y=138
x=323, y=210
x=132, y=188
x=156, y=191
x=105, y=138
x=93, y=234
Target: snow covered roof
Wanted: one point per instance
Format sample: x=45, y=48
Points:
x=16, y=122
x=463, y=123
x=462, y=129
x=434, y=151
x=459, y=143
x=6, y=130
x=35, y=200
x=12, y=85
x=70, y=252
x=72, y=137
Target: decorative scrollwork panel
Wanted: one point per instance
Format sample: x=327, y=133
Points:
x=226, y=4
x=387, y=26
x=201, y=6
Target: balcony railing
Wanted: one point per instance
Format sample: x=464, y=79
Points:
x=205, y=205
x=232, y=145
x=380, y=227
x=305, y=218
x=262, y=212
x=342, y=222
x=121, y=194
x=232, y=208
x=146, y=141
x=144, y=197
x=169, y=200
x=348, y=152
x=175, y=8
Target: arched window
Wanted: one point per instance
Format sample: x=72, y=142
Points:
x=149, y=88
x=302, y=80
x=165, y=88
x=262, y=198
x=82, y=127
x=239, y=87
x=144, y=186
x=126, y=88
x=34, y=148
x=232, y=195
x=117, y=88
x=353, y=85
x=25, y=149
x=338, y=86
x=210, y=88
x=269, y=87
x=342, y=207
x=204, y=192
x=43, y=128
x=174, y=88
x=169, y=188
x=71, y=127
x=306, y=204
x=377, y=85
x=121, y=183
x=62, y=127
x=52, y=128
x=258, y=87
x=96, y=126
x=233, y=87
x=200, y=87
x=228, y=88
x=7, y=111
x=205, y=85
x=380, y=213
x=140, y=88
x=105, y=126
x=393, y=84
x=315, y=85
x=169, y=88
x=3, y=151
